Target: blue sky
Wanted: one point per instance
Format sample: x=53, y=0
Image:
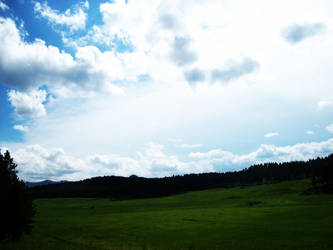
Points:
x=158, y=88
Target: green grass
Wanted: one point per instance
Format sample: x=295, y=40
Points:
x=276, y=216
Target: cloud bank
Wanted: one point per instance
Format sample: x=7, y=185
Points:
x=36, y=162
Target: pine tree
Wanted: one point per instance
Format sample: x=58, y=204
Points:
x=16, y=209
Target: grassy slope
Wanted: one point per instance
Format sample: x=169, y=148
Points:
x=210, y=219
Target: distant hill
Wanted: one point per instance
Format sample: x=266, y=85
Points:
x=42, y=183
x=320, y=170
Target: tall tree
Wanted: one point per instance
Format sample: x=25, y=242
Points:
x=16, y=209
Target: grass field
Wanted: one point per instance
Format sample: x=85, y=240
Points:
x=276, y=216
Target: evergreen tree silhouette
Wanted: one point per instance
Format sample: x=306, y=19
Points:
x=16, y=209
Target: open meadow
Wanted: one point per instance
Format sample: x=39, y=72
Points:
x=272, y=216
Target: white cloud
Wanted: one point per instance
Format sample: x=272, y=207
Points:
x=265, y=153
x=28, y=104
x=3, y=6
x=150, y=29
x=21, y=128
x=329, y=128
x=271, y=134
x=37, y=163
x=151, y=162
x=310, y=132
x=324, y=104
x=74, y=18
x=176, y=140
x=188, y=145
x=222, y=115
x=27, y=66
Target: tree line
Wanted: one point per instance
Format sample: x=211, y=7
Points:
x=320, y=170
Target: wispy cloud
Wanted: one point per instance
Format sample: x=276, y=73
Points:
x=188, y=145
x=324, y=104
x=235, y=70
x=310, y=132
x=271, y=134
x=176, y=140
x=298, y=32
x=329, y=128
x=195, y=75
x=74, y=19
x=181, y=52
x=21, y=128
x=3, y=6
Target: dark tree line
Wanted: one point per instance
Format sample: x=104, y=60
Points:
x=16, y=209
x=320, y=170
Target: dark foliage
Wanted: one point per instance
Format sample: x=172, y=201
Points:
x=16, y=209
x=320, y=170
x=322, y=178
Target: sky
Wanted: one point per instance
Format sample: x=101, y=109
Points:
x=160, y=88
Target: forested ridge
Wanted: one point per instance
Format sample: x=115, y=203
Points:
x=320, y=170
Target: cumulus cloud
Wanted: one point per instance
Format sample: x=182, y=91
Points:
x=21, y=128
x=160, y=164
x=151, y=162
x=28, y=104
x=38, y=163
x=3, y=6
x=298, y=32
x=329, y=128
x=234, y=70
x=27, y=66
x=195, y=75
x=121, y=22
x=181, y=52
x=265, y=153
x=74, y=19
x=272, y=134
